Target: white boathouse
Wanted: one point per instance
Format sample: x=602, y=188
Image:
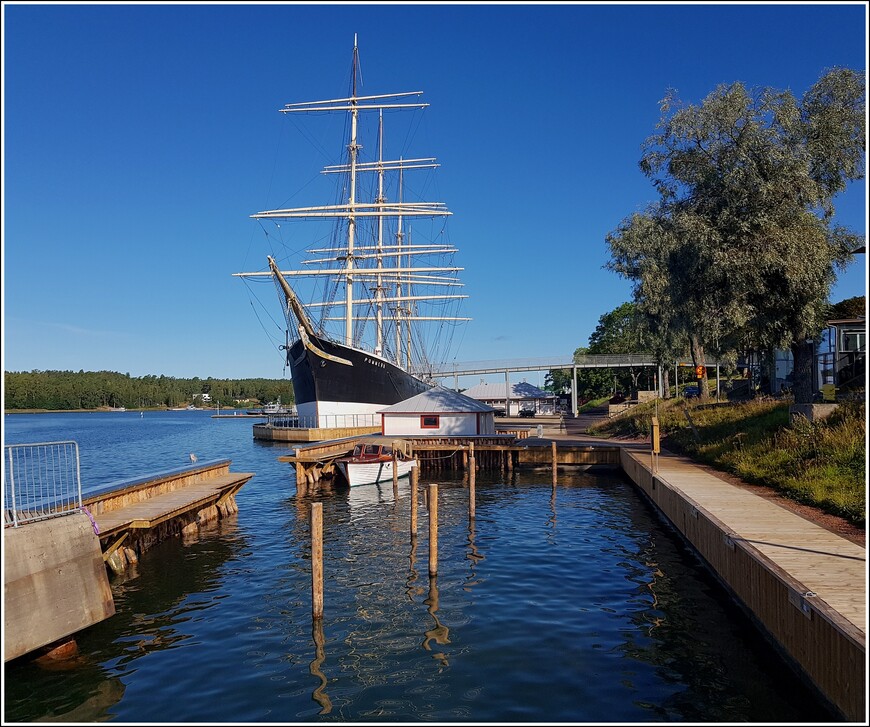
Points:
x=438, y=412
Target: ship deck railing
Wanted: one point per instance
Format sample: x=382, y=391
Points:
x=323, y=421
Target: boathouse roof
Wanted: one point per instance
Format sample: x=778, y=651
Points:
x=437, y=399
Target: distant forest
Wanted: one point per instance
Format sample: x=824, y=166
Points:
x=94, y=389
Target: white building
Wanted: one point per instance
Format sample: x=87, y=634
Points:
x=522, y=396
x=438, y=412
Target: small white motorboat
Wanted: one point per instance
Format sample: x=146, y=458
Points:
x=372, y=461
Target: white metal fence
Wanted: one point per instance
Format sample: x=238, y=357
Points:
x=40, y=481
x=324, y=421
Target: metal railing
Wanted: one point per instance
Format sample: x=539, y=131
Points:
x=324, y=421
x=40, y=481
x=843, y=370
x=603, y=360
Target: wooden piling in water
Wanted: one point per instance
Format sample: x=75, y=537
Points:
x=415, y=476
x=433, y=530
x=317, y=560
x=555, y=464
x=472, y=478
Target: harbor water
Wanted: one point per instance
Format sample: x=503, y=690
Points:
x=570, y=605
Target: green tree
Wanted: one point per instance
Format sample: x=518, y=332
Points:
x=92, y=389
x=744, y=225
x=620, y=331
x=849, y=308
x=676, y=314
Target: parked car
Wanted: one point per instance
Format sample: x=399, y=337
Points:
x=690, y=392
x=525, y=412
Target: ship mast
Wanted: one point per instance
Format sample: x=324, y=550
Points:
x=399, y=239
x=353, y=150
x=379, y=290
x=375, y=275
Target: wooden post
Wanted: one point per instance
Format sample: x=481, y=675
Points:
x=317, y=560
x=415, y=476
x=555, y=463
x=433, y=530
x=656, y=444
x=472, y=477
x=395, y=471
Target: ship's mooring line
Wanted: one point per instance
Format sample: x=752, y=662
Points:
x=432, y=459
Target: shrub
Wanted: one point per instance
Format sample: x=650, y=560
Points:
x=820, y=463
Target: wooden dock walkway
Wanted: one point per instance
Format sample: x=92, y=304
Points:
x=132, y=515
x=160, y=508
x=55, y=581
x=805, y=586
x=823, y=562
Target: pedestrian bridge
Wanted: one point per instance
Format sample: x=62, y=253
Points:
x=588, y=361
x=474, y=368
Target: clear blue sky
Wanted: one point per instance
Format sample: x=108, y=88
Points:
x=138, y=139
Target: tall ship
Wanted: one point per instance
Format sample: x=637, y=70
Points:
x=371, y=306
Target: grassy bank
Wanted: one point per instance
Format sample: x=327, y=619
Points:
x=821, y=463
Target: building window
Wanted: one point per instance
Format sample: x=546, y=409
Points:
x=429, y=421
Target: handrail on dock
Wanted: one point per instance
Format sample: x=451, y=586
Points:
x=40, y=481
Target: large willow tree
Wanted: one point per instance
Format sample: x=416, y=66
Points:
x=741, y=249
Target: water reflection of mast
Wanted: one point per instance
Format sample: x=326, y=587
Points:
x=440, y=633
x=319, y=695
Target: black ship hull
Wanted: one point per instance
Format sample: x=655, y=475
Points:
x=330, y=378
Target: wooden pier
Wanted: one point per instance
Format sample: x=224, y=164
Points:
x=133, y=515
x=803, y=586
x=498, y=453
x=317, y=460
x=55, y=578
x=271, y=432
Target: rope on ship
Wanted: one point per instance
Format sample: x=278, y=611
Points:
x=432, y=459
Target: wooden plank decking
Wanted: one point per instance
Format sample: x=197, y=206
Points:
x=160, y=508
x=825, y=563
x=805, y=585
x=132, y=515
